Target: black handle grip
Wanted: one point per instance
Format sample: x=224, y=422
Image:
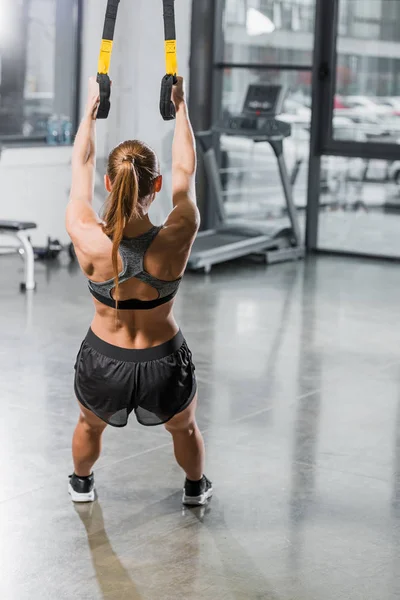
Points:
x=167, y=107
x=105, y=93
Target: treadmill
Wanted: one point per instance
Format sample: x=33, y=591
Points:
x=226, y=241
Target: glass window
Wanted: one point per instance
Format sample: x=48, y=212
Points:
x=249, y=171
x=237, y=81
x=360, y=206
x=37, y=47
x=367, y=9
x=367, y=78
x=269, y=31
x=366, y=29
x=390, y=29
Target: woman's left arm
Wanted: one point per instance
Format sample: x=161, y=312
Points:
x=80, y=210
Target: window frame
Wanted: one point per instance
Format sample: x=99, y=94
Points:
x=324, y=78
x=220, y=65
x=322, y=141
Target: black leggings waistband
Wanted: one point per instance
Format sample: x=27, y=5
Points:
x=136, y=356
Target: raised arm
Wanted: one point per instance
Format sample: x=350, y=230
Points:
x=80, y=210
x=184, y=163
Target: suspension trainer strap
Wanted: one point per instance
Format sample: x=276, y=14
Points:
x=105, y=58
x=167, y=107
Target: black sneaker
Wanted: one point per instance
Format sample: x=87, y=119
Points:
x=196, y=493
x=82, y=490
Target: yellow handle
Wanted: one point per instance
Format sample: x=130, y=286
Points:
x=171, y=57
x=105, y=57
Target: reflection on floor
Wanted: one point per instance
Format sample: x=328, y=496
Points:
x=299, y=375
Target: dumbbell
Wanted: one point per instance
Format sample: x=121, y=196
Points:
x=49, y=252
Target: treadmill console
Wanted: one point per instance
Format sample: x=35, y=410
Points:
x=263, y=100
x=262, y=105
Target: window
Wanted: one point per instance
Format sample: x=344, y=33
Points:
x=247, y=166
x=355, y=206
x=390, y=19
x=365, y=30
x=269, y=31
x=359, y=207
x=235, y=12
x=38, y=74
x=368, y=10
x=369, y=73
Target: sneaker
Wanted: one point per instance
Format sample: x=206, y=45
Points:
x=196, y=493
x=82, y=490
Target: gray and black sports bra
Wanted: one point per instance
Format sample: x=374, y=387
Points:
x=132, y=252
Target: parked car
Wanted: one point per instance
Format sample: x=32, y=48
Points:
x=363, y=104
x=375, y=170
x=249, y=165
x=391, y=104
x=346, y=129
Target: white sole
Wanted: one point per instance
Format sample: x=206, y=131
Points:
x=75, y=497
x=197, y=500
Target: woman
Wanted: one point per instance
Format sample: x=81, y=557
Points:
x=134, y=357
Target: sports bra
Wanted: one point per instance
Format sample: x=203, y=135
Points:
x=132, y=252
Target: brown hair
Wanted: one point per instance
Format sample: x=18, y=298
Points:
x=132, y=169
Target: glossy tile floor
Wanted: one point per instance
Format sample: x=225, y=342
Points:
x=299, y=373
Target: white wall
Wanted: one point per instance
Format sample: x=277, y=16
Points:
x=35, y=182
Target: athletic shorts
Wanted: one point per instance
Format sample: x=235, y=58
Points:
x=157, y=383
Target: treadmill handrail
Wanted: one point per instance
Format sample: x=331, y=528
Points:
x=229, y=249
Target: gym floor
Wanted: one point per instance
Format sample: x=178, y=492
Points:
x=299, y=375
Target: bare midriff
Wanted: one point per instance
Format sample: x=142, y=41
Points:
x=135, y=329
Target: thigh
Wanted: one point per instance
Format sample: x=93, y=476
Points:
x=184, y=419
x=91, y=419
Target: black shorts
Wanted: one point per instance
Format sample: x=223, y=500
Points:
x=156, y=383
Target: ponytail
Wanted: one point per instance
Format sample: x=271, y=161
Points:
x=132, y=169
x=121, y=206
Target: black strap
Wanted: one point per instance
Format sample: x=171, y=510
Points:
x=105, y=58
x=169, y=20
x=111, y=19
x=132, y=304
x=167, y=107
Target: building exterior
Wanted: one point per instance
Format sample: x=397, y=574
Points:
x=370, y=69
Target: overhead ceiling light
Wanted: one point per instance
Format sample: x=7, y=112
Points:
x=257, y=23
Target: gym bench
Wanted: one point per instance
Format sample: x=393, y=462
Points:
x=18, y=230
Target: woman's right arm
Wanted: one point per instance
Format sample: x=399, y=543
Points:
x=185, y=215
x=83, y=224
x=80, y=210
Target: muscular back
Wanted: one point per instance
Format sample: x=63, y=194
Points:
x=166, y=259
